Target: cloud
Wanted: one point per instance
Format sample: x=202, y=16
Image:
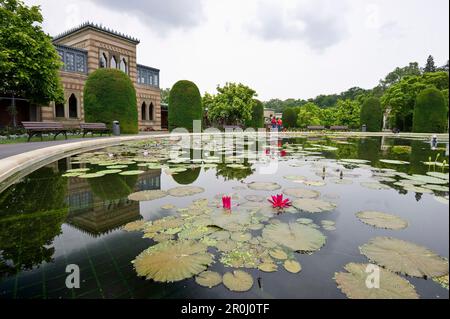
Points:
x=319, y=23
x=162, y=15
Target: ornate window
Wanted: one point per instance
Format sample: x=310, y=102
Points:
x=103, y=61
x=70, y=61
x=123, y=66
x=59, y=110
x=113, y=64
x=150, y=111
x=80, y=64
x=73, y=106
x=144, y=112
x=155, y=82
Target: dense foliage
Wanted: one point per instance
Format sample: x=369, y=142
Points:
x=430, y=112
x=232, y=105
x=185, y=103
x=371, y=115
x=257, y=120
x=29, y=63
x=109, y=95
x=290, y=117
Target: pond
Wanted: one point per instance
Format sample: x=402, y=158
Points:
x=140, y=222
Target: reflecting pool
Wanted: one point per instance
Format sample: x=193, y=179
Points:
x=141, y=223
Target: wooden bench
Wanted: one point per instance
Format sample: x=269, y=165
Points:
x=94, y=128
x=339, y=128
x=38, y=128
x=316, y=128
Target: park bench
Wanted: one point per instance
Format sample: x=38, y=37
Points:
x=38, y=128
x=339, y=128
x=94, y=128
x=316, y=128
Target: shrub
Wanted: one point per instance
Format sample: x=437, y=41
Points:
x=109, y=95
x=430, y=112
x=371, y=115
x=257, y=120
x=185, y=105
x=290, y=117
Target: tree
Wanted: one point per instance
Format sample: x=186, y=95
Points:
x=309, y=115
x=29, y=63
x=398, y=74
x=430, y=66
x=232, y=105
x=290, y=117
x=443, y=68
x=257, y=120
x=430, y=112
x=109, y=95
x=329, y=116
x=165, y=93
x=348, y=113
x=371, y=115
x=185, y=103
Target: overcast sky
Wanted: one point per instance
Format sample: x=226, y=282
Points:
x=281, y=48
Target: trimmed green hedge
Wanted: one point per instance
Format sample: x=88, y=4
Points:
x=109, y=95
x=185, y=105
x=371, y=114
x=257, y=120
x=290, y=117
x=430, y=112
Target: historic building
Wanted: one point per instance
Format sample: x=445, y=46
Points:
x=85, y=49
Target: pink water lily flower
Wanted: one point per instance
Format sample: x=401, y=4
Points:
x=226, y=202
x=279, y=202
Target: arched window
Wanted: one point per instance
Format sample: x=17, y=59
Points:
x=123, y=66
x=103, y=61
x=144, y=112
x=73, y=106
x=113, y=63
x=151, y=111
x=59, y=110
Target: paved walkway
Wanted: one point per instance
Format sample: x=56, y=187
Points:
x=7, y=150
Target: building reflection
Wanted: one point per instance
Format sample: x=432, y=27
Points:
x=100, y=205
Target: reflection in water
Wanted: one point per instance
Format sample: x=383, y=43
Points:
x=31, y=214
x=229, y=173
x=187, y=177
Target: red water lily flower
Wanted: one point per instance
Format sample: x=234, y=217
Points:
x=279, y=202
x=226, y=202
x=283, y=153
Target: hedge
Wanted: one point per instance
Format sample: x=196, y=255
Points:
x=109, y=95
x=371, y=115
x=290, y=117
x=257, y=120
x=430, y=112
x=185, y=105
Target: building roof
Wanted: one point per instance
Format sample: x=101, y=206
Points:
x=96, y=27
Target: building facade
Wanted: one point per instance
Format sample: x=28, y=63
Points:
x=87, y=48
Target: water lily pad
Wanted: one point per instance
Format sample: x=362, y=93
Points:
x=339, y=181
x=375, y=185
x=417, y=189
x=226, y=245
x=264, y=186
x=168, y=207
x=209, y=279
x=382, y=220
x=74, y=174
x=147, y=195
x=78, y=170
x=110, y=171
x=437, y=188
x=329, y=227
x=427, y=179
x=184, y=191
x=313, y=205
x=91, y=175
x=294, y=236
x=444, y=176
x=278, y=254
x=314, y=183
x=295, y=178
x=354, y=161
x=268, y=267
x=255, y=198
x=301, y=193
x=241, y=237
x=353, y=284
x=292, y=266
x=220, y=235
x=405, y=257
x=171, y=261
x=238, y=281
x=131, y=173
x=393, y=162
x=442, y=199
x=135, y=226
x=305, y=221
x=117, y=167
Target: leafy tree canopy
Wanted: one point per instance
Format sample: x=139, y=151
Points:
x=29, y=63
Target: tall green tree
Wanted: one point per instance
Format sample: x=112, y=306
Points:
x=430, y=112
x=257, y=120
x=309, y=115
x=185, y=105
x=232, y=105
x=29, y=63
x=430, y=66
x=371, y=114
x=348, y=113
x=165, y=93
x=398, y=74
x=290, y=117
